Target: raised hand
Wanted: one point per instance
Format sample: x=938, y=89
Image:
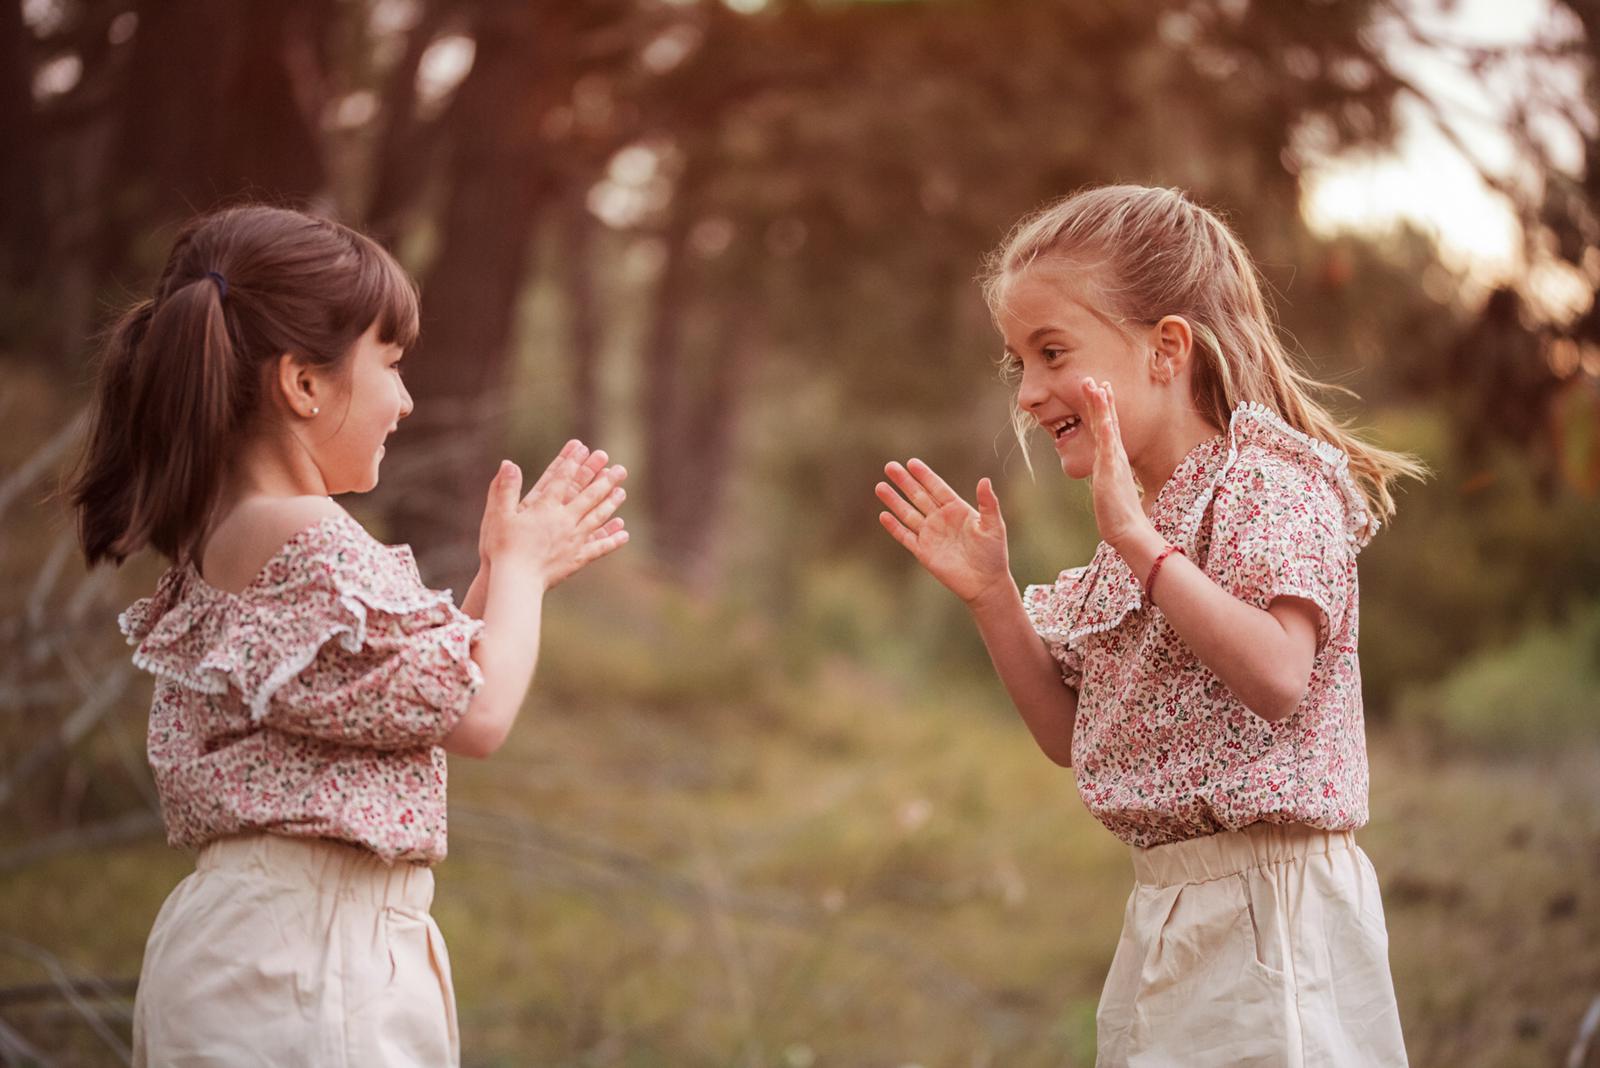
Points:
x=1117, y=508
x=568, y=474
x=563, y=523
x=961, y=546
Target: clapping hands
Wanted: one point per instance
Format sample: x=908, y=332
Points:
x=563, y=522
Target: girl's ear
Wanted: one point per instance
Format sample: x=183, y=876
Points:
x=299, y=386
x=1172, y=344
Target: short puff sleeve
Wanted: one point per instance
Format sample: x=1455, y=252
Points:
x=1280, y=528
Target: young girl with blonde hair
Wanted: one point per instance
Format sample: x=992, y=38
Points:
x=1200, y=672
x=308, y=685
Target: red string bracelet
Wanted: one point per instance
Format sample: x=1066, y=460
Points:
x=1155, y=569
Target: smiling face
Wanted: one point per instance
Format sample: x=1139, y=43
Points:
x=1055, y=341
x=367, y=401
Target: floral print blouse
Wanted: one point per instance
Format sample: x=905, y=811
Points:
x=310, y=704
x=1163, y=750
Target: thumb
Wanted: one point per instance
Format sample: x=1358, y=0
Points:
x=988, y=502
x=506, y=489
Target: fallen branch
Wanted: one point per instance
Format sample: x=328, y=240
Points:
x=87, y=987
x=65, y=984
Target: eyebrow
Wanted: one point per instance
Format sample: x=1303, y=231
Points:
x=1043, y=330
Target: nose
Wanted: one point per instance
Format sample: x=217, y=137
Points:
x=1031, y=391
x=406, y=404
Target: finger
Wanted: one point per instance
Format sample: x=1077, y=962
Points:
x=574, y=450
x=897, y=505
x=1111, y=408
x=595, y=548
x=899, y=531
x=585, y=474
x=596, y=516
x=914, y=490
x=612, y=525
x=1113, y=423
x=1091, y=398
x=506, y=487
x=988, y=502
x=597, y=491
x=560, y=471
x=937, y=488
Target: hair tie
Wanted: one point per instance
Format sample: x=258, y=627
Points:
x=222, y=283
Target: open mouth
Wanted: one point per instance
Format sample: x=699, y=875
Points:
x=1064, y=428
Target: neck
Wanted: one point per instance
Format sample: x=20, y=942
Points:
x=1161, y=456
x=273, y=466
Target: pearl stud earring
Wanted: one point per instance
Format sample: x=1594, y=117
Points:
x=316, y=411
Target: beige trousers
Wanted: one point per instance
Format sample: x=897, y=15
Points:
x=281, y=951
x=1265, y=946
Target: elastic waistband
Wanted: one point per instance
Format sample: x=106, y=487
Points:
x=1218, y=856
x=323, y=866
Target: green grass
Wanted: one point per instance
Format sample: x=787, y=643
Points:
x=852, y=873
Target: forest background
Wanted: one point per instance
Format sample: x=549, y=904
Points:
x=767, y=806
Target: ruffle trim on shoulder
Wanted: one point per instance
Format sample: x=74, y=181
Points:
x=1254, y=423
x=341, y=586
x=1085, y=600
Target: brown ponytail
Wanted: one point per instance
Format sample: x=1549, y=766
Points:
x=180, y=379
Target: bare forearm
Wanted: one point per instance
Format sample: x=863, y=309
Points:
x=1030, y=675
x=477, y=593
x=507, y=654
x=1247, y=648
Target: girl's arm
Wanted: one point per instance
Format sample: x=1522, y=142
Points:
x=1029, y=673
x=473, y=603
x=527, y=547
x=1264, y=657
x=965, y=549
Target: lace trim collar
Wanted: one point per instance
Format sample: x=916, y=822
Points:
x=1100, y=595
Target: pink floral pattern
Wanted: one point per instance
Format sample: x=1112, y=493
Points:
x=1162, y=749
x=310, y=704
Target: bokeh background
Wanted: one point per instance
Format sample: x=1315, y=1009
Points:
x=767, y=806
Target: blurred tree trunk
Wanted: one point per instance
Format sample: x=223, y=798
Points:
x=583, y=315
x=223, y=101
x=497, y=184
x=700, y=485
x=22, y=216
x=407, y=148
x=661, y=403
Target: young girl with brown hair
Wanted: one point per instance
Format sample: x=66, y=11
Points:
x=308, y=685
x=1200, y=672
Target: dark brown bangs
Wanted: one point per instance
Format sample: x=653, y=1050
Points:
x=385, y=294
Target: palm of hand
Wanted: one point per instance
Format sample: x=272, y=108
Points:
x=961, y=546
x=958, y=551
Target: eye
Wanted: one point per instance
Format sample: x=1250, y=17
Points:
x=1010, y=367
x=396, y=368
x=1053, y=353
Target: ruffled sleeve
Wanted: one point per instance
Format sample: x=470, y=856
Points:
x=1048, y=608
x=337, y=639
x=1286, y=520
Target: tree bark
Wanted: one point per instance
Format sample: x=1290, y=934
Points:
x=22, y=218
x=583, y=316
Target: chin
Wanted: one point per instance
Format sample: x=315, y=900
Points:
x=1076, y=469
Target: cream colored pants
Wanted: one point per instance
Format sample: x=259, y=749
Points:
x=1264, y=946
x=288, y=951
